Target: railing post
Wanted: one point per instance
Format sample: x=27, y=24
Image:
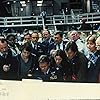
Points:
x=92, y=17
x=37, y=20
x=5, y=21
x=54, y=24
x=66, y=19
x=87, y=17
x=78, y=19
x=43, y=23
x=21, y=20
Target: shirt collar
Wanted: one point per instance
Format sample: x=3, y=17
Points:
x=1, y=54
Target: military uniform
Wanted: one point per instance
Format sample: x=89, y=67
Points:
x=52, y=74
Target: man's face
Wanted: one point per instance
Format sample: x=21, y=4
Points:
x=74, y=36
x=3, y=47
x=46, y=35
x=70, y=54
x=57, y=38
x=11, y=40
x=34, y=37
x=27, y=38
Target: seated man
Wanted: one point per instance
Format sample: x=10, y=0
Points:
x=8, y=63
x=78, y=63
x=37, y=48
x=11, y=39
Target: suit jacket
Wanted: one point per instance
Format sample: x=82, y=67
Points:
x=79, y=68
x=48, y=45
x=39, y=49
x=12, y=74
x=54, y=45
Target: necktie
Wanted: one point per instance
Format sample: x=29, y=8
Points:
x=4, y=55
x=59, y=46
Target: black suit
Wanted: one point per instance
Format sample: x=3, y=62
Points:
x=54, y=45
x=12, y=74
x=39, y=49
x=48, y=43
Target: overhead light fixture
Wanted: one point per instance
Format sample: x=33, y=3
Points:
x=40, y=1
x=22, y=2
x=28, y=1
x=39, y=4
x=21, y=9
x=14, y=1
x=8, y=3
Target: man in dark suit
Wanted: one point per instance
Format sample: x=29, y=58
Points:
x=78, y=63
x=8, y=64
x=37, y=47
x=59, y=43
x=47, y=40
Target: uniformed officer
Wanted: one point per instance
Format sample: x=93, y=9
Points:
x=45, y=72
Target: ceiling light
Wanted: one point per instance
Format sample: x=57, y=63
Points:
x=39, y=1
x=8, y=3
x=28, y=1
x=14, y=1
x=22, y=2
x=39, y=4
x=21, y=9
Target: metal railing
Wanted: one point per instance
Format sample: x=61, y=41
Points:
x=50, y=20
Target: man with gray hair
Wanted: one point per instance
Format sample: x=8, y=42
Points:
x=74, y=36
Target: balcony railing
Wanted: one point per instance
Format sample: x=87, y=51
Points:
x=50, y=20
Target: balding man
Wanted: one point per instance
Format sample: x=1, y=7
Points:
x=47, y=40
x=98, y=43
x=74, y=36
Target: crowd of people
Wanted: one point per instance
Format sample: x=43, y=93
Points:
x=51, y=59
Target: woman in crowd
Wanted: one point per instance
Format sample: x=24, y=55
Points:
x=60, y=62
x=94, y=59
